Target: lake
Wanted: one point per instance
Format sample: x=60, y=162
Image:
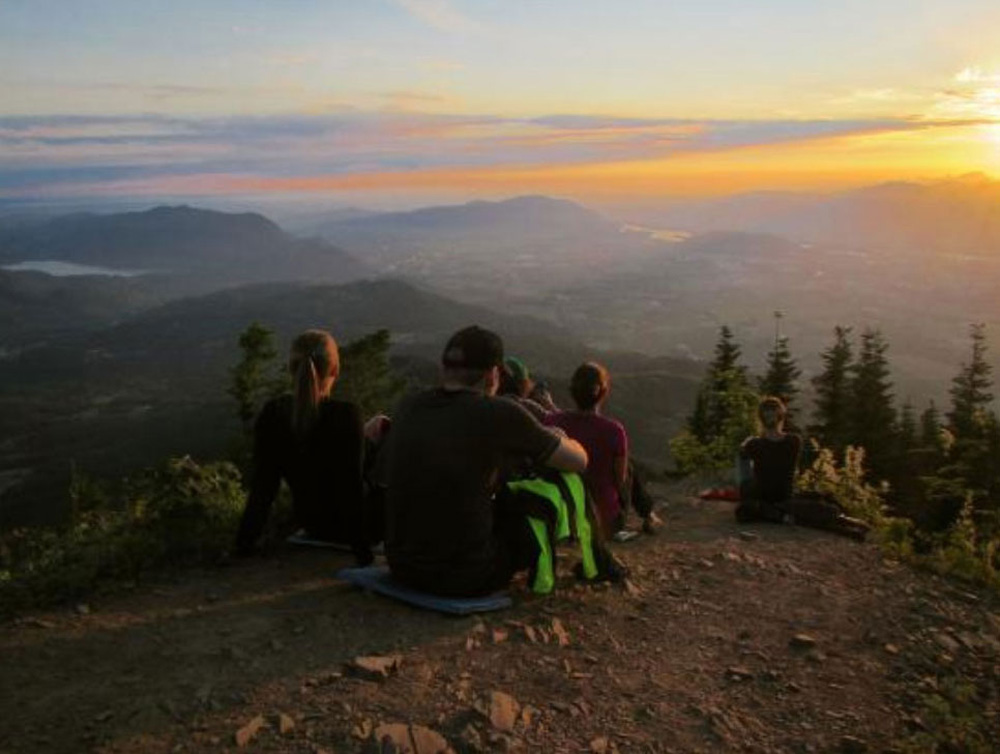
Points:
x=68, y=269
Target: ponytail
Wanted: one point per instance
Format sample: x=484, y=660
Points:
x=314, y=358
x=307, y=396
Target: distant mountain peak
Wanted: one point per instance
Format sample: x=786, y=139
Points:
x=527, y=212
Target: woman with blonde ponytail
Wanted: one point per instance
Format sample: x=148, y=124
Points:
x=315, y=366
x=316, y=444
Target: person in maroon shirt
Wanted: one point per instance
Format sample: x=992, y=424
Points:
x=608, y=475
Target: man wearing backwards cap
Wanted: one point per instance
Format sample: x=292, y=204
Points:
x=445, y=534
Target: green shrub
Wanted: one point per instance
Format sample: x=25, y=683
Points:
x=735, y=404
x=845, y=482
x=965, y=552
x=181, y=513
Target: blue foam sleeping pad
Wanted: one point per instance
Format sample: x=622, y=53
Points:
x=378, y=579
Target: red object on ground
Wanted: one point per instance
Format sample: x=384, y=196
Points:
x=720, y=493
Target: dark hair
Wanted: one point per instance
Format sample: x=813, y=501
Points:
x=590, y=383
x=314, y=357
x=767, y=405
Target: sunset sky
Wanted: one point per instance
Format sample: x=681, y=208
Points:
x=372, y=102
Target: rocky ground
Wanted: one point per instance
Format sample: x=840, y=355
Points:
x=755, y=639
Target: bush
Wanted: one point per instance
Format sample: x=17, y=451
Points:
x=181, y=513
x=845, y=483
x=736, y=405
x=964, y=552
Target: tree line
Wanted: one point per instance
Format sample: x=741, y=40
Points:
x=931, y=466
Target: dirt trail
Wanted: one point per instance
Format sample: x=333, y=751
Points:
x=754, y=639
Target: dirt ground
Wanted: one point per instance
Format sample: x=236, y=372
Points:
x=749, y=639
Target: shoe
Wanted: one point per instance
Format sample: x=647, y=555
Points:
x=624, y=535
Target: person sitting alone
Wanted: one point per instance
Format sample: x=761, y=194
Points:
x=447, y=531
x=316, y=445
x=611, y=479
x=768, y=463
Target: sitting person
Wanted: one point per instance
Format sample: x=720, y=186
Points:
x=609, y=477
x=316, y=444
x=446, y=532
x=516, y=384
x=766, y=476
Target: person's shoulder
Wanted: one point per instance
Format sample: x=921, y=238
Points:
x=500, y=403
x=612, y=423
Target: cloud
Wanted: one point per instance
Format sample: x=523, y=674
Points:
x=415, y=100
x=438, y=14
x=976, y=75
x=44, y=153
x=974, y=95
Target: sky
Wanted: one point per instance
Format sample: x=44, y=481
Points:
x=408, y=102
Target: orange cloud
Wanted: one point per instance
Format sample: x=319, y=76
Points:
x=820, y=164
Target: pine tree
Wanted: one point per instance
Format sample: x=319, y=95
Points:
x=724, y=374
x=833, y=393
x=906, y=428
x=367, y=379
x=253, y=378
x=970, y=391
x=930, y=427
x=782, y=375
x=727, y=353
x=872, y=416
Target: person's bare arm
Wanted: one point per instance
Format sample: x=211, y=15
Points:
x=569, y=455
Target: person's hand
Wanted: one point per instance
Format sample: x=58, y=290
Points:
x=558, y=431
x=377, y=427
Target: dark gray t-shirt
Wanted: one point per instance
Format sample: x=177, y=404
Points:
x=445, y=452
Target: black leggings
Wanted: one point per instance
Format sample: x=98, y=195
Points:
x=804, y=510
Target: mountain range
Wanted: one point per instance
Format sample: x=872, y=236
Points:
x=950, y=216
x=207, y=248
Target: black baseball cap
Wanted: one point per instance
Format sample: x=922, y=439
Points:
x=473, y=347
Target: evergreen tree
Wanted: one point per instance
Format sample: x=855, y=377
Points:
x=724, y=374
x=833, y=393
x=872, y=416
x=906, y=430
x=253, y=379
x=366, y=378
x=781, y=377
x=930, y=427
x=727, y=354
x=970, y=391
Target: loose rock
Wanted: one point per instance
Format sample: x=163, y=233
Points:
x=246, y=734
x=503, y=709
x=285, y=724
x=376, y=667
x=802, y=641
